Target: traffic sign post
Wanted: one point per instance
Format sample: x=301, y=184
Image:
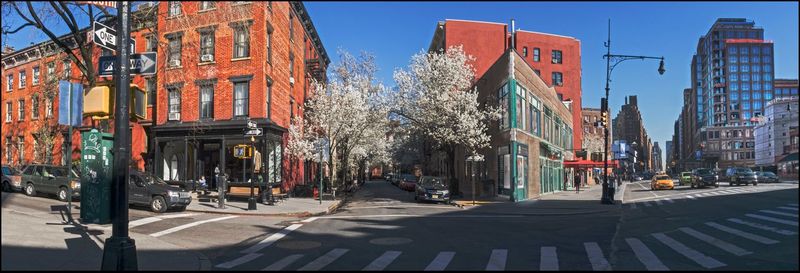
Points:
x=140, y=64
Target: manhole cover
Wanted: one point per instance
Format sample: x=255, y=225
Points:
x=390, y=241
x=299, y=244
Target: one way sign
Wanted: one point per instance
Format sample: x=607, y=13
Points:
x=106, y=37
x=141, y=64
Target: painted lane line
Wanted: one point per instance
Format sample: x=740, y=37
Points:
x=441, y=261
x=691, y=197
x=383, y=261
x=154, y=219
x=771, y=219
x=705, y=194
x=645, y=255
x=497, y=261
x=793, y=205
x=182, y=227
x=596, y=258
x=684, y=250
x=747, y=235
x=238, y=261
x=788, y=208
x=730, y=248
x=779, y=213
x=763, y=227
x=644, y=188
x=271, y=239
x=647, y=204
x=669, y=200
x=324, y=260
x=283, y=263
x=549, y=259
x=309, y=220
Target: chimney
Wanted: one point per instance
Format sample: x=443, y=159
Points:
x=626, y=100
x=513, y=35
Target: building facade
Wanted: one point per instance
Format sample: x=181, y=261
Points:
x=657, y=163
x=629, y=126
x=773, y=132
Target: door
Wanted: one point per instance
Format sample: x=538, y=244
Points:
x=137, y=194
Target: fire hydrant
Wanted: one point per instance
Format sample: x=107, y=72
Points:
x=316, y=192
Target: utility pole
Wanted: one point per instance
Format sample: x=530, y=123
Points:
x=119, y=251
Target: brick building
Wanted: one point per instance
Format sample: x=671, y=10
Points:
x=629, y=126
x=224, y=64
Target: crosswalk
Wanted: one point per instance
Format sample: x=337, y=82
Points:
x=713, y=244
x=671, y=199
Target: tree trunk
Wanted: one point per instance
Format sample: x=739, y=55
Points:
x=454, y=189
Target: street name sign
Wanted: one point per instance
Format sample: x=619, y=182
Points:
x=141, y=64
x=253, y=132
x=110, y=4
x=106, y=37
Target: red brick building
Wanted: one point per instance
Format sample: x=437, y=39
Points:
x=222, y=65
x=555, y=58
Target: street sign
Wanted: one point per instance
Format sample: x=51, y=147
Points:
x=106, y=37
x=70, y=108
x=110, y=4
x=141, y=64
x=251, y=124
x=253, y=132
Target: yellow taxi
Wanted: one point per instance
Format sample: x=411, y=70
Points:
x=661, y=181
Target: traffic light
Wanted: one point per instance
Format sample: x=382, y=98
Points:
x=242, y=151
x=604, y=119
x=99, y=100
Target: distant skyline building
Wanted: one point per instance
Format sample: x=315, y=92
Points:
x=772, y=134
x=629, y=126
x=657, y=165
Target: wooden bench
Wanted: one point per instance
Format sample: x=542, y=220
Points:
x=242, y=191
x=277, y=194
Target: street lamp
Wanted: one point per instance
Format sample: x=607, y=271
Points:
x=608, y=197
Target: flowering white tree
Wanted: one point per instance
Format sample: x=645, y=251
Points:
x=435, y=97
x=349, y=113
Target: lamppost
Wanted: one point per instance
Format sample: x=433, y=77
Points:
x=608, y=197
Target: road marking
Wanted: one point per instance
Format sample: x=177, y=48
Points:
x=154, y=219
x=692, y=254
x=793, y=205
x=182, y=227
x=283, y=263
x=240, y=260
x=650, y=191
x=596, y=258
x=404, y=206
x=730, y=248
x=497, y=262
x=324, y=260
x=645, y=255
x=737, y=190
x=647, y=204
x=549, y=259
x=727, y=192
x=788, y=208
x=441, y=261
x=776, y=220
x=669, y=200
x=705, y=194
x=779, y=213
x=421, y=216
x=383, y=261
x=659, y=202
x=764, y=227
x=271, y=239
x=715, y=193
x=309, y=220
x=691, y=197
x=757, y=238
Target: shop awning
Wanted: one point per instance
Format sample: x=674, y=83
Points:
x=585, y=164
x=789, y=158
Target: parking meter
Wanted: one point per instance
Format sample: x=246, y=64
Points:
x=221, y=186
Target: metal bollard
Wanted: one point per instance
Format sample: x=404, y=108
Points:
x=221, y=186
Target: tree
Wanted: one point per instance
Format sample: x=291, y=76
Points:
x=435, y=96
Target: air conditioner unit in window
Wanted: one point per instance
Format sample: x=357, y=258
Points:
x=555, y=61
x=206, y=58
x=291, y=80
x=174, y=116
x=175, y=63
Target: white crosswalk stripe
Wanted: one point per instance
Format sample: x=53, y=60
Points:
x=762, y=227
x=754, y=237
x=650, y=261
x=240, y=260
x=727, y=192
x=497, y=261
x=383, y=261
x=441, y=261
x=788, y=208
x=691, y=197
x=705, y=194
x=771, y=219
x=549, y=259
x=779, y=213
x=153, y=219
x=730, y=248
x=694, y=255
x=324, y=260
x=283, y=263
x=596, y=258
x=669, y=200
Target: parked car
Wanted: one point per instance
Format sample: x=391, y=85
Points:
x=149, y=190
x=50, y=179
x=685, y=178
x=388, y=176
x=740, y=175
x=767, y=177
x=661, y=181
x=431, y=188
x=702, y=177
x=12, y=179
x=408, y=182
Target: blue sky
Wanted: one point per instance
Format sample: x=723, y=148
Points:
x=394, y=31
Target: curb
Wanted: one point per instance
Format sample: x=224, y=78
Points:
x=302, y=214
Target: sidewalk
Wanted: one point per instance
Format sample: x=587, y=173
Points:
x=41, y=241
x=586, y=201
x=298, y=207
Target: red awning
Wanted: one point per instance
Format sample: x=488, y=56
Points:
x=585, y=164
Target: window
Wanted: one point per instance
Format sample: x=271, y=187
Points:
x=207, y=5
x=734, y=96
x=174, y=8
x=756, y=59
x=241, y=42
x=151, y=44
x=67, y=66
x=732, y=59
x=8, y=149
x=9, y=83
x=538, y=72
x=21, y=148
x=767, y=86
x=207, y=101
x=536, y=54
x=524, y=51
x=51, y=71
x=767, y=68
x=241, y=91
x=756, y=104
x=269, y=6
x=48, y=105
x=21, y=110
x=174, y=103
x=756, y=68
x=269, y=42
x=36, y=75
x=207, y=46
x=756, y=95
x=767, y=59
x=745, y=68
x=269, y=97
x=151, y=91
x=35, y=154
x=8, y=111
x=733, y=68
x=502, y=95
x=22, y=79
x=745, y=86
x=291, y=26
x=734, y=77
x=745, y=77
x=767, y=95
x=767, y=50
x=556, y=55
x=732, y=49
x=35, y=107
x=291, y=64
x=557, y=79
x=755, y=49
x=174, y=51
x=756, y=77
x=744, y=59
x=744, y=50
